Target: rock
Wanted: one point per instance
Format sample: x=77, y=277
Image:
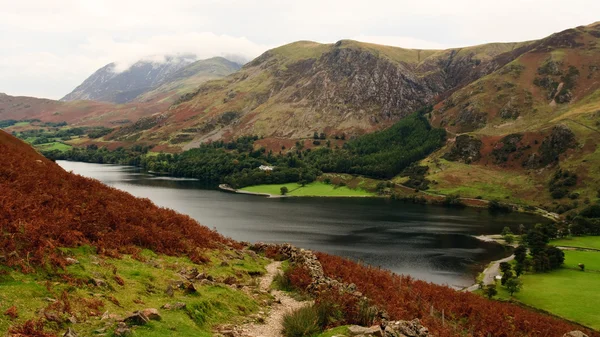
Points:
x=137, y=318
x=98, y=282
x=107, y=316
x=122, y=330
x=575, y=333
x=466, y=149
x=355, y=330
x=190, y=288
x=71, y=261
x=230, y=280
x=169, y=291
x=210, y=278
x=70, y=333
x=201, y=276
x=206, y=282
x=174, y=306
x=152, y=314
x=53, y=316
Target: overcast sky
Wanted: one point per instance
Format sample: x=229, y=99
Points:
x=50, y=46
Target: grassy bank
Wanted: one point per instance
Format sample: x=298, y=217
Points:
x=128, y=284
x=567, y=292
x=316, y=188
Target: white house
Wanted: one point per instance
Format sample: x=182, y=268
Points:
x=266, y=168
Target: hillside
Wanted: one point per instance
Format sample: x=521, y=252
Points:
x=521, y=123
x=304, y=87
x=82, y=113
x=108, y=84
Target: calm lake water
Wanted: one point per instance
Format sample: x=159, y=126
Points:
x=432, y=243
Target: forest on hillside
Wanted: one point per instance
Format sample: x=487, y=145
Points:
x=383, y=155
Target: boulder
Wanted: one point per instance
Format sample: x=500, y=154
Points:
x=71, y=261
x=152, y=314
x=575, y=333
x=137, y=318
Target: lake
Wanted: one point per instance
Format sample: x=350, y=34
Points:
x=428, y=242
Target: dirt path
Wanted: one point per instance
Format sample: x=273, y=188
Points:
x=282, y=305
x=490, y=273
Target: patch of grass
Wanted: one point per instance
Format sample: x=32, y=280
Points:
x=472, y=181
x=134, y=284
x=303, y=322
x=590, y=259
x=592, y=242
x=339, y=331
x=316, y=189
x=54, y=146
x=566, y=293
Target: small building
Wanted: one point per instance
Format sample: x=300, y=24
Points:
x=265, y=168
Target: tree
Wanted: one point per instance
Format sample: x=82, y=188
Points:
x=513, y=285
x=536, y=240
x=506, y=277
x=581, y=266
x=505, y=267
x=519, y=269
x=520, y=254
x=490, y=291
x=284, y=190
x=556, y=257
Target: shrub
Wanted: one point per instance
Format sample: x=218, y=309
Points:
x=303, y=322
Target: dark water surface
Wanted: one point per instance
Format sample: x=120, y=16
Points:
x=428, y=242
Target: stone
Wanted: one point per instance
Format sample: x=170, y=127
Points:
x=174, y=306
x=190, y=288
x=575, y=333
x=122, y=330
x=98, y=282
x=53, y=316
x=71, y=261
x=169, y=291
x=137, y=318
x=152, y=314
x=230, y=280
x=70, y=333
x=355, y=330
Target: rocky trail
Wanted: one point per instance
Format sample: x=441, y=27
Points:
x=282, y=304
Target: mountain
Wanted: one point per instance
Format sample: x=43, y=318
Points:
x=517, y=126
x=109, y=85
x=305, y=87
x=79, y=113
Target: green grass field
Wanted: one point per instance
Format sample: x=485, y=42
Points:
x=567, y=292
x=591, y=242
x=54, y=146
x=317, y=189
x=590, y=259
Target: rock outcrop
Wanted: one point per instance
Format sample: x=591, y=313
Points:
x=466, y=149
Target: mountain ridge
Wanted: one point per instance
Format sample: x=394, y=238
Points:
x=109, y=85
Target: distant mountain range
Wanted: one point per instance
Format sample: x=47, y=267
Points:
x=109, y=85
x=514, y=111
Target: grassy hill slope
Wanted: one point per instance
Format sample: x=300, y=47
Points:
x=519, y=124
